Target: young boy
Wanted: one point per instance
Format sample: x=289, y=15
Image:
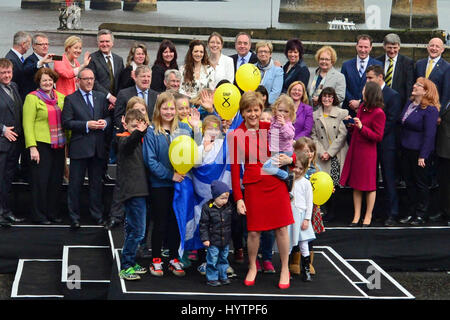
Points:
x=215, y=232
x=131, y=175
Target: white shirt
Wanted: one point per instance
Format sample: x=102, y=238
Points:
x=18, y=54
x=386, y=65
x=110, y=58
x=224, y=70
x=358, y=63
x=303, y=196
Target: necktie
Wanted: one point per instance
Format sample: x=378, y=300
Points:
x=143, y=95
x=361, y=69
x=390, y=69
x=242, y=61
x=429, y=68
x=9, y=91
x=88, y=101
x=111, y=74
x=22, y=59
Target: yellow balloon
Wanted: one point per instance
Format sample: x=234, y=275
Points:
x=183, y=153
x=248, y=77
x=322, y=186
x=226, y=100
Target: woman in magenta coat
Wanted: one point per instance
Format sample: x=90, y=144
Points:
x=360, y=167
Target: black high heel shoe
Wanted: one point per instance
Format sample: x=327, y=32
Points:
x=354, y=224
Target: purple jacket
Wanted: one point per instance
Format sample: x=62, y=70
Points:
x=303, y=121
x=419, y=130
x=281, y=136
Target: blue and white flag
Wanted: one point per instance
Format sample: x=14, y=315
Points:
x=195, y=190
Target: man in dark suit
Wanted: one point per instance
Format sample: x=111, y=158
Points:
x=11, y=137
x=434, y=66
x=21, y=44
x=398, y=69
x=354, y=71
x=243, y=44
x=85, y=113
x=386, y=149
x=38, y=59
x=141, y=89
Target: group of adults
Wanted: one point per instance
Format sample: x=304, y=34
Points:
x=42, y=94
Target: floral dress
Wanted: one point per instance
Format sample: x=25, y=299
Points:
x=206, y=80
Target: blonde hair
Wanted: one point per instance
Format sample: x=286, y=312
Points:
x=211, y=119
x=304, y=160
x=328, y=49
x=135, y=100
x=250, y=98
x=300, y=144
x=288, y=102
x=197, y=100
x=163, y=98
x=71, y=41
x=305, y=94
x=267, y=44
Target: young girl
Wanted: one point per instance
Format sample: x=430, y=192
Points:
x=139, y=104
x=307, y=146
x=266, y=116
x=166, y=126
x=281, y=134
x=301, y=232
x=184, y=110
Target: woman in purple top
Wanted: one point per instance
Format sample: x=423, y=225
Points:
x=304, y=113
x=418, y=131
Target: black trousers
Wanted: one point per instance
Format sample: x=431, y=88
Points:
x=78, y=168
x=387, y=159
x=46, y=182
x=417, y=181
x=164, y=222
x=444, y=185
x=8, y=166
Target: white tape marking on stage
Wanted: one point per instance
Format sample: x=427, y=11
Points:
x=392, y=280
x=348, y=265
x=65, y=264
x=15, y=286
x=386, y=228
x=122, y=281
x=51, y=226
x=342, y=272
x=111, y=244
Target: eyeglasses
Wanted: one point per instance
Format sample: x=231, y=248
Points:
x=419, y=84
x=88, y=79
x=324, y=59
x=41, y=44
x=263, y=51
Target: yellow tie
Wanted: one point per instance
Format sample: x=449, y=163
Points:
x=429, y=68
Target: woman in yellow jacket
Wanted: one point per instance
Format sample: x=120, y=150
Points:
x=45, y=138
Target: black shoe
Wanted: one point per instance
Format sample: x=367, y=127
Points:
x=213, y=283
x=290, y=181
x=225, y=281
x=43, y=222
x=107, y=179
x=407, y=220
x=112, y=223
x=56, y=220
x=437, y=217
x=143, y=252
x=75, y=225
x=354, y=224
x=390, y=222
x=100, y=222
x=418, y=221
x=365, y=225
x=305, y=268
x=4, y=223
x=9, y=216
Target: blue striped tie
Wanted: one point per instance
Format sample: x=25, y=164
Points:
x=361, y=69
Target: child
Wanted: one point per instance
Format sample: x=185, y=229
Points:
x=215, y=233
x=184, y=110
x=301, y=231
x=212, y=139
x=133, y=191
x=307, y=146
x=281, y=135
x=266, y=116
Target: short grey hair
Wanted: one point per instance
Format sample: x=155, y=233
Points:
x=172, y=71
x=84, y=70
x=391, y=38
x=102, y=32
x=38, y=35
x=21, y=37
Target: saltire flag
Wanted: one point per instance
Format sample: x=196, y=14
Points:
x=195, y=190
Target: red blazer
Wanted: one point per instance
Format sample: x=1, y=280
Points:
x=67, y=81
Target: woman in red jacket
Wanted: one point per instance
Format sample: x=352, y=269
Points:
x=360, y=167
x=265, y=202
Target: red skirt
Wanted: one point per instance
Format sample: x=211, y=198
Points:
x=268, y=204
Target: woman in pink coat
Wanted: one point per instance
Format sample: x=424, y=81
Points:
x=69, y=67
x=360, y=167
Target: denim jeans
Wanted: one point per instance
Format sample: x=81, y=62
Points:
x=135, y=212
x=266, y=246
x=271, y=169
x=216, y=263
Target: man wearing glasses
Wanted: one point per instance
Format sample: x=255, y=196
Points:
x=38, y=59
x=86, y=113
